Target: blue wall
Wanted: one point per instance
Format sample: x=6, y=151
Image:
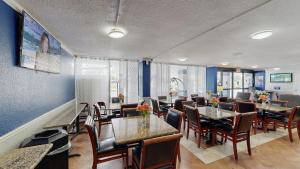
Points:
x=211, y=79
x=26, y=94
x=144, y=79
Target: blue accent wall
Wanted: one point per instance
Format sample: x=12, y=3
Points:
x=211, y=79
x=144, y=79
x=27, y=94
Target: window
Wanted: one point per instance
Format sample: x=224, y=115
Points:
x=185, y=80
x=99, y=80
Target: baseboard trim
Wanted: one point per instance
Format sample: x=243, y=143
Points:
x=13, y=139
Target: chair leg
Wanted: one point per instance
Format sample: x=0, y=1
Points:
x=127, y=160
x=94, y=166
x=184, y=124
x=248, y=143
x=199, y=140
x=235, y=149
x=255, y=126
x=179, y=156
x=290, y=132
x=188, y=131
x=298, y=128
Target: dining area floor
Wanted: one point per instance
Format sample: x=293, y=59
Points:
x=276, y=154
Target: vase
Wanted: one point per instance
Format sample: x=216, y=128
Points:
x=146, y=120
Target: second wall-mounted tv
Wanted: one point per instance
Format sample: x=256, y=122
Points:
x=39, y=49
x=281, y=77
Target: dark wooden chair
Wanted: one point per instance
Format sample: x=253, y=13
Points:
x=193, y=97
x=156, y=109
x=174, y=118
x=200, y=101
x=273, y=117
x=240, y=131
x=178, y=104
x=200, y=126
x=106, y=149
x=115, y=100
x=160, y=152
x=102, y=106
x=129, y=112
x=223, y=99
x=245, y=107
x=229, y=107
x=290, y=120
x=102, y=119
x=162, y=97
x=123, y=106
x=186, y=103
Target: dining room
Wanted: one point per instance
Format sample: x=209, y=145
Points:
x=151, y=84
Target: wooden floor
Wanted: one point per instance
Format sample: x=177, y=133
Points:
x=277, y=154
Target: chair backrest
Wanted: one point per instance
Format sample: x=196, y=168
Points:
x=155, y=106
x=200, y=101
x=243, y=122
x=194, y=95
x=223, y=99
x=182, y=97
x=162, y=97
x=193, y=115
x=178, y=104
x=129, y=112
x=102, y=104
x=160, y=152
x=293, y=100
x=174, y=118
x=123, y=106
x=97, y=111
x=115, y=100
x=279, y=103
x=93, y=134
x=227, y=106
x=244, y=107
x=294, y=114
x=243, y=96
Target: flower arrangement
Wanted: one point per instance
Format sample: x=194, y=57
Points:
x=214, y=101
x=144, y=109
x=262, y=96
x=121, y=97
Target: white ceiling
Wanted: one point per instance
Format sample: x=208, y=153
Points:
x=207, y=32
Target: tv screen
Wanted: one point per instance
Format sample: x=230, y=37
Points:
x=39, y=49
x=281, y=77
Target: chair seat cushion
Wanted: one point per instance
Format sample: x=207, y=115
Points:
x=109, y=144
x=205, y=123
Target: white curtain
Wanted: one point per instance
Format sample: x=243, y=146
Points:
x=160, y=79
x=92, y=80
x=99, y=80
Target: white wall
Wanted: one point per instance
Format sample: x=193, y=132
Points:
x=285, y=88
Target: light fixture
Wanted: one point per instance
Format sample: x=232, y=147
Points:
x=225, y=63
x=182, y=59
x=254, y=66
x=276, y=68
x=261, y=34
x=116, y=33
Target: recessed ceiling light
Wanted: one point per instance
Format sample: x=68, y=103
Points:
x=182, y=59
x=254, y=66
x=116, y=33
x=276, y=68
x=225, y=63
x=261, y=34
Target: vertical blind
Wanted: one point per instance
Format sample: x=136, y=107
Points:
x=99, y=80
x=189, y=79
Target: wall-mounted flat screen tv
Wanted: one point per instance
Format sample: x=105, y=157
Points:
x=281, y=77
x=39, y=49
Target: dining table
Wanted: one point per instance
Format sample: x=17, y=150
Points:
x=169, y=101
x=130, y=130
x=215, y=114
